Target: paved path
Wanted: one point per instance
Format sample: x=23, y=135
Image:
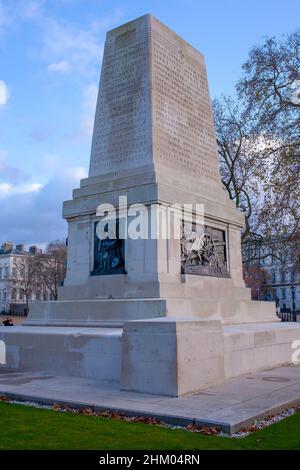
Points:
x=231, y=406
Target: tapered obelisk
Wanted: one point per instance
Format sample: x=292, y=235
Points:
x=153, y=104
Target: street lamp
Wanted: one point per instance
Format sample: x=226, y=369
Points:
x=293, y=297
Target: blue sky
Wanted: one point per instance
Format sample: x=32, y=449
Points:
x=50, y=59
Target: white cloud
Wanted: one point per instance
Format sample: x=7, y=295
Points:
x=76, y=173
x=3, y=93
x=12, y=11
x=61, y=39
x=82, y=47
x=32, y=188
x=51, y=165
x=7, y=189
x=66, y=45
x=38, y=211
x=9, y=173
x=63, y=66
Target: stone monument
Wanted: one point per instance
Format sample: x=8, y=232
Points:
x=159, y=314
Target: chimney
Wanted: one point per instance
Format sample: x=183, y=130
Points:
x=7, y=246
x=33, y=250
x=20, y=247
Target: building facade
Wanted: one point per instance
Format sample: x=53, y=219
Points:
x=285, y=282
x=12, y=298
x=273, y=272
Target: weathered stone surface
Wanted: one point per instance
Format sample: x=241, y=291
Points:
x=153, y=104
x=172, y=356
x=81, y=352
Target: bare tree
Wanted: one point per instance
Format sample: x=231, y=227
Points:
x=258, y=138
x=270, y=92
x=270, y=87
x=24, y=277
x=241, y=165
x=52, y=266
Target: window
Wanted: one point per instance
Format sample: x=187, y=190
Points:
x=283, y=294
x=21, y=295
x=6, y=271
x=13, y=294
x=1, y=272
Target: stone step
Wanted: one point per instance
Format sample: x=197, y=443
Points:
x=205, y=291
x=114, y=312
x=80, y=352
x=109, y=312
x=249, y=311
x=258, y=346
x=109, y=287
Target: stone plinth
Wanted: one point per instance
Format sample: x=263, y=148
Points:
x=172, y=356
x=80, y=352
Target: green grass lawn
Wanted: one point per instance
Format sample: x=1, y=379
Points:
x=22, y=427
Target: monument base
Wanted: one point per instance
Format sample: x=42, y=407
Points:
x=117, y=312
x=176, y=357
x=181, y=297
x=163, y=356
x=204, y=331
x=80, y=352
